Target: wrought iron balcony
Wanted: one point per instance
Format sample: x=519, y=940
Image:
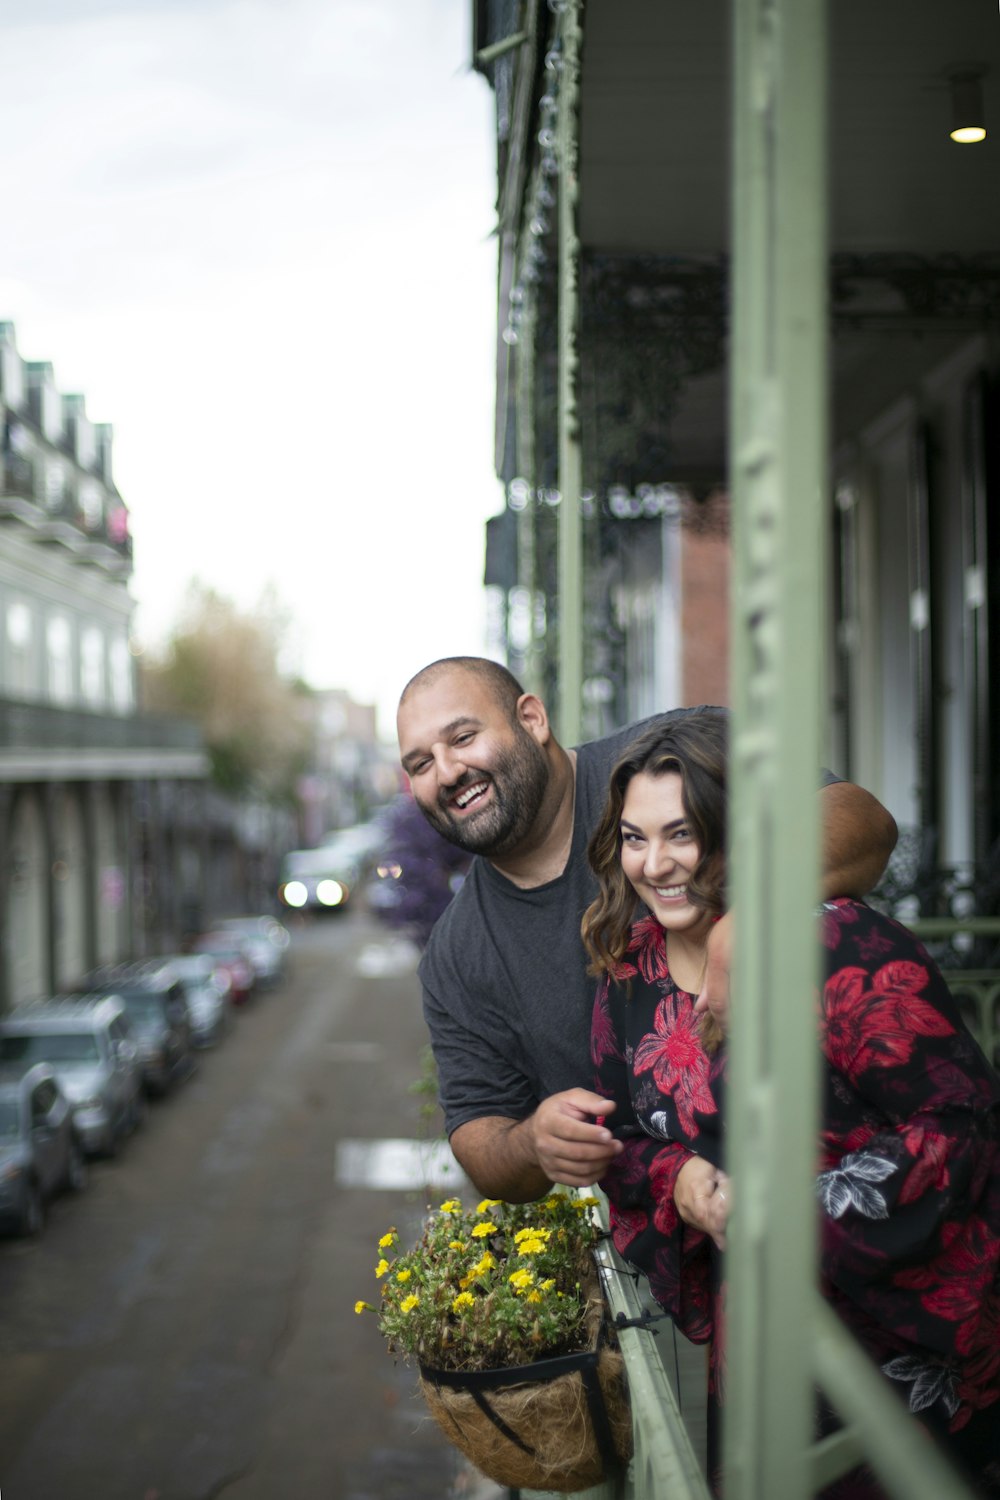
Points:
x=107, y=543
x=41, y=726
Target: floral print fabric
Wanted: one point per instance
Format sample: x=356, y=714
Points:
x=908, y=1181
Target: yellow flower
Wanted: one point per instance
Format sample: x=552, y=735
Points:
x=382, y=1267
x=523, y=1234
x=486, y=1264
x=387, y=1239
x=360, y=1307
x=487, y=1203
x=456, y=1244
x=482, y=1230
x=534, y=1297
x=583, y=1203
x=451, y=1206
x=403, y=1275
x=520, y=1279
x=547, y=1286
x=409, y=1303
x=531, y=1247
x=464, y=1299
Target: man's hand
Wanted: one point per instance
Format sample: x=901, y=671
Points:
x=701, y=1194
x=519, y=1160
x=714, y=995
x=569, y=1145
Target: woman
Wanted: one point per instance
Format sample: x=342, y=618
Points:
x=909, y=1180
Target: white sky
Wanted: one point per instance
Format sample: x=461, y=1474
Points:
x=256, y=234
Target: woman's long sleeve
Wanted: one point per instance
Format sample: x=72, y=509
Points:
x=645, y=1225
x=911, y=1211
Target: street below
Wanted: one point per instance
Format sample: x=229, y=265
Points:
x=185, y=1329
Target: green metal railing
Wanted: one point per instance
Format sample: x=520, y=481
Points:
x=783, y=1341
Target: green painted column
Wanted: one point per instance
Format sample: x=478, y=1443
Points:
x=778, y=466
x=570, y=520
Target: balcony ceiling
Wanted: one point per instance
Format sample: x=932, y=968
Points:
x=654, y=147
x=655, y=123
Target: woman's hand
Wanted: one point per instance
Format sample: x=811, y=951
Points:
x=702, y=1197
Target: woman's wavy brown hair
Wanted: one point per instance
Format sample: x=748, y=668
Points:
x=694, y=746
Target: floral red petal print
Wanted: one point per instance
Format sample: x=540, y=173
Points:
x=972, y=1263
x=906, y=981
x=929, y=1172
x=648, y=944
x=679, y=1063
x=627, y=1223
x=602, y=1031
x=840, y=1020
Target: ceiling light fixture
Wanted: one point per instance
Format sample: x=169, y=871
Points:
x=968, y=117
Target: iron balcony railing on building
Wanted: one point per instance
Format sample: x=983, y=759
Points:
x=40, y=726
x=61, y=521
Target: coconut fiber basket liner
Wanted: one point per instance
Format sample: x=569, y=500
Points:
x=559, y=1424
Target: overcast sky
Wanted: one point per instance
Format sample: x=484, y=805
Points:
x=256, y=234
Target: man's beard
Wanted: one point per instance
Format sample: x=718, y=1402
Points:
x=519, y=780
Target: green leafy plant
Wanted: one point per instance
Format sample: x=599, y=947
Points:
x=503, y=1284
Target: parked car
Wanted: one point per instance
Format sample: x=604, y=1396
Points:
x=40, y=1152
x=265, y=941
x=90, y=1048
x=226, y=950
x=154, y=1000
x=206, y=992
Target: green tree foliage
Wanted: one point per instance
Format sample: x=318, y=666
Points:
x=222, y=668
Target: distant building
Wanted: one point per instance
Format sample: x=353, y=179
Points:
x=351, y=772
x=100, y=807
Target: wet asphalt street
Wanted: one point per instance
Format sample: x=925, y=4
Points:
x=186, y=1328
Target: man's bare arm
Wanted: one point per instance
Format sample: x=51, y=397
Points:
x=519, y=1160
x=858, y=837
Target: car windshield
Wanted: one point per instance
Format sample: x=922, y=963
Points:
x=144, y=1010
x=225, y=952
x=51, y=1047
x=9, y=1121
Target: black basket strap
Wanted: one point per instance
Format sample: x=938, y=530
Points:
x=583, y=1362
x=498, y=1421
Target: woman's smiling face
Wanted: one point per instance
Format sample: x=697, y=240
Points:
x=659, y=850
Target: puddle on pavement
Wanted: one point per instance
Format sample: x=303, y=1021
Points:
x=397, y=1164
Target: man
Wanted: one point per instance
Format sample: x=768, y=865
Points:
x=506, y=995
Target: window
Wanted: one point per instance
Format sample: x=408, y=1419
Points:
x=92, y=674
x=122, y=697
x=91, y=505
x=55, y=486
x=20, y=650
x=42, y=1099
x=58, y=640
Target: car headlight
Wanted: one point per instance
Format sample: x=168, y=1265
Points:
x=331, y=893
x=294, y=893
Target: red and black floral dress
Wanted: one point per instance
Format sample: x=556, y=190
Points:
x=909, y=1166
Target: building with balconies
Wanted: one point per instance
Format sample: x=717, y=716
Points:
x=101, y=808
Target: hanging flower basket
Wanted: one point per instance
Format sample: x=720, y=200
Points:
x=502, y=1310
x=560, y=1424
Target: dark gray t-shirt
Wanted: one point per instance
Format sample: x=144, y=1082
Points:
x=506, y=993
x=507, y=997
